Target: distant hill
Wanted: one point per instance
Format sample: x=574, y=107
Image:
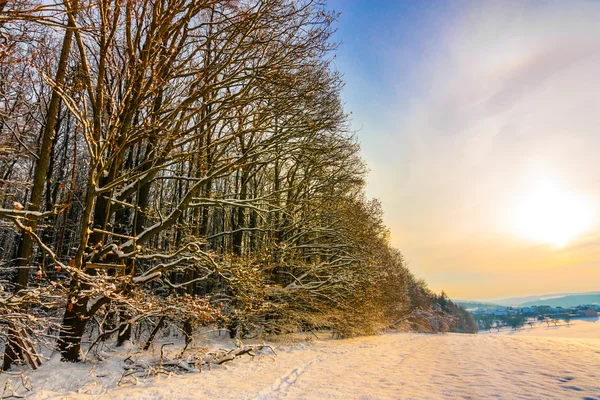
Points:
x=544, y=299
x=566, y=301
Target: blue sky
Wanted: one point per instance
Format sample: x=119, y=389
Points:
x=478, y=121
x=381, y=45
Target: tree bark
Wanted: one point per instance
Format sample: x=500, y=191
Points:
x=74, y=321
x=25, y=248
x=69, y=340
x=39, y=177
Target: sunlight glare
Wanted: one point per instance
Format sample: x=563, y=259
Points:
x=551, y=214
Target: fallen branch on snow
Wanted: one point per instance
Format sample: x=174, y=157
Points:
x=191, y=365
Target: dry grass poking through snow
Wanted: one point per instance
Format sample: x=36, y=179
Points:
x=393, y=366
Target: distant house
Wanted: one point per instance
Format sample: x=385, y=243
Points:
x=591, y=312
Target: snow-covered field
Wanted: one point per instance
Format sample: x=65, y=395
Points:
x=585, y=328
x=538, y=363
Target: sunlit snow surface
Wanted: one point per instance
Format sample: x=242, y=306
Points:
x=534, y=363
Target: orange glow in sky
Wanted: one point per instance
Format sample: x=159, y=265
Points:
x=480, y=124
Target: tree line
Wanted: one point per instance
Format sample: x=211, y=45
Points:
x=183, y=162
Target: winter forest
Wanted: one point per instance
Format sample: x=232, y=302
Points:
x=185, y=163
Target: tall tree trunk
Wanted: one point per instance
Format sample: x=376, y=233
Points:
x=74, y=321
x=143, y=195
x=69, y=340
x=240, y=215
x=25, y=248
x=39, y=176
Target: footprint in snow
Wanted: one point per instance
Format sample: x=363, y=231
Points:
x=566, y=379
x=576, y=388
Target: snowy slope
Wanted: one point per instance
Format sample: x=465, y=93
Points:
x=401, y=365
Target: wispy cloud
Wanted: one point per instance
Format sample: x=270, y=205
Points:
x=510, y=95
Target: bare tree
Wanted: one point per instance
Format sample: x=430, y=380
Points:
x=191, y=162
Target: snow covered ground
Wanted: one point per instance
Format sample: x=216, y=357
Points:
x=583, y=328
x=533, y=363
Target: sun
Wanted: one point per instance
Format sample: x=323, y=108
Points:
x=549, y=213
